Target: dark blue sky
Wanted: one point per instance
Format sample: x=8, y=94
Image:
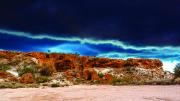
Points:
x=153, y=22
x=104, y=28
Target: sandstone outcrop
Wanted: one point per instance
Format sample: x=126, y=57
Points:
x=85, y=67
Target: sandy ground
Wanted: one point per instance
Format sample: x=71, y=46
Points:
x=93, y=93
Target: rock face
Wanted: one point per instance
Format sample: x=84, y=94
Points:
x=75, y=66
x=5, y=76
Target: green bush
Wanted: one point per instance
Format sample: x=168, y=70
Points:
x=15, y=85
x=5, y=85
x=55, y=85
x=158, y=82
x=116, y=81
x=45, y=84
x=122, y=81
x=4, y=67
x=11, y=85
x=177, y=70
x=101, y=75
x=97, y=82
x=25, y=70
x=177, y=81
x=77, y=81
x=31, y=85
x=42, y=79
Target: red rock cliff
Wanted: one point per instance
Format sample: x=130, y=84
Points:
x=83, y=64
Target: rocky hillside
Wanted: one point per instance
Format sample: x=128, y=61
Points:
x=56, y=68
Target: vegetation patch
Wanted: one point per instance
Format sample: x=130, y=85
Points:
x=11, y=85
x=25, y=70
x=177, y=70
x=100, y=74
x=158, y=82
x=42, y=79
x=31, y=86
x=97, y=82
x=55, y=85
x=4, y=67
x=177, y=81
x=122, y=81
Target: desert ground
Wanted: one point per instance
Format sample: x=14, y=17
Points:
x=93, y=93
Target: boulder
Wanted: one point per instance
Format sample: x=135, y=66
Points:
x=108, y=78
x=27, y=78
x=90, y=74
x=95, y=76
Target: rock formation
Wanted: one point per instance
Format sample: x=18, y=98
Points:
x=88, y=68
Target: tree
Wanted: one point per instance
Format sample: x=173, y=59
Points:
x=177, y=70
x=49, y=51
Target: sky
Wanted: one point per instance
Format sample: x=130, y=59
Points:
x=104, y=28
